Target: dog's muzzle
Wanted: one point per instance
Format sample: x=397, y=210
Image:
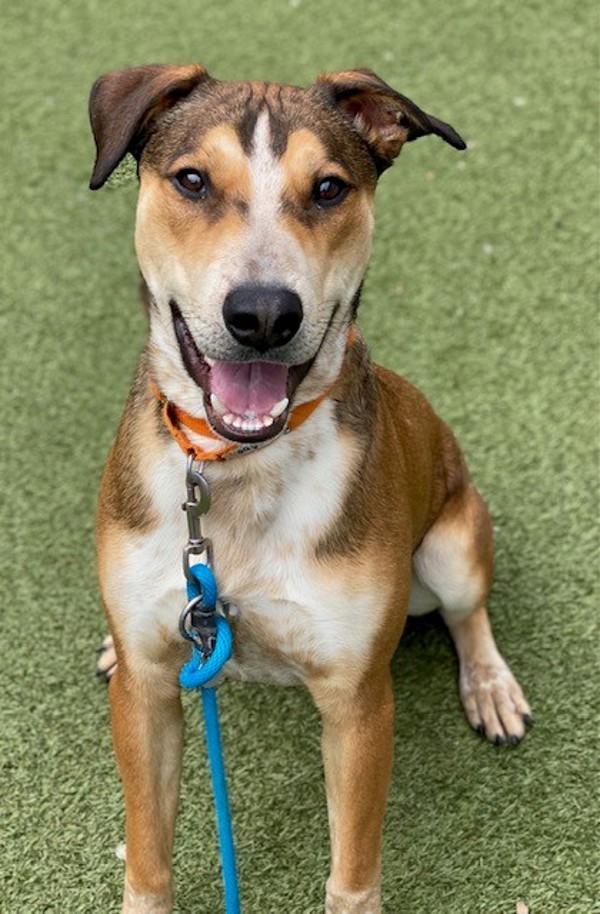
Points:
x=248, y=401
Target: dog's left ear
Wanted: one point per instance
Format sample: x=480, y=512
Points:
x=383, y=118
x=124, y=103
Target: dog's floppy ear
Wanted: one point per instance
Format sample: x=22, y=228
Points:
x=123, y=104
x=383, y=118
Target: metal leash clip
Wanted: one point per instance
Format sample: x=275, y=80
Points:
x=198, y=624
x=196, y=504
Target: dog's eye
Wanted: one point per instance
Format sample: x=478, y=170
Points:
x=191, y=183
x=330, y=190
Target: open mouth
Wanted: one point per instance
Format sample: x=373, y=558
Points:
x=244, y=401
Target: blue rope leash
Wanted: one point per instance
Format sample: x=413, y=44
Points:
x=195, y=674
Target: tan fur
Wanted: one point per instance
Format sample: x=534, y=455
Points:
x=304, y=158
x=177, y=232
x=320, y=538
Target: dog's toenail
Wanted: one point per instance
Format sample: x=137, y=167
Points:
x=480, y=729
x=528, y=720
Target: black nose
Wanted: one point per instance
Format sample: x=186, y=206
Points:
x=262, y=316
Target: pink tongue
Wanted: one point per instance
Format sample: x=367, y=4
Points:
x=251, y=388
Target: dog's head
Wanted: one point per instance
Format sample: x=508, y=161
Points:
x=254, y=226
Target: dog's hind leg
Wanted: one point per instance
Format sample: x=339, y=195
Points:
x=454, y=562
x=106, y=664
x=147, y=727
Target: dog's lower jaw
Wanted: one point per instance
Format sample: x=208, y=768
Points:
x=142, y=903
x=340, y=901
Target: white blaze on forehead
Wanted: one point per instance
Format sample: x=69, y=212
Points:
x=266, y=176
x=271, y=245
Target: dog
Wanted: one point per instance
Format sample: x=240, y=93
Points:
x=340, y=501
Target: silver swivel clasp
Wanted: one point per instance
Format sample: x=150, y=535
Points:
x=195, y=506
x=197, y=503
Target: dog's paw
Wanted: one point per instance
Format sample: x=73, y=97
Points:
x=494, y=702
x=135, y=902
x=106, y=663
x=339, y=901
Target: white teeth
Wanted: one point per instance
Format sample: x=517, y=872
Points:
x=216, y=404
x=245, y=423
x=279, y=407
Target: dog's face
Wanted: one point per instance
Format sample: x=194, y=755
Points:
x=254, y=226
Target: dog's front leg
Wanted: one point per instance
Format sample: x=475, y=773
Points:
x=357, y=748
x=147, y=728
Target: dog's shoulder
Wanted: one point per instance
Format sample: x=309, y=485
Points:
x=124, y=492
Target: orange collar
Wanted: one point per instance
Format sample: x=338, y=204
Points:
x=176, y=419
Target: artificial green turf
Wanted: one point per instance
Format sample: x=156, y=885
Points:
x=482, y=291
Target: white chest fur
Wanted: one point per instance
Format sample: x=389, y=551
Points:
x=269, y=510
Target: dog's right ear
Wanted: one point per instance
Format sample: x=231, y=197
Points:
x=384, y=118
x=124, y=103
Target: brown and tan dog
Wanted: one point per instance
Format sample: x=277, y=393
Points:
x=253, y=234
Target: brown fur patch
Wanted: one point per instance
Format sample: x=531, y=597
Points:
x=411, y=463
x=122, y=494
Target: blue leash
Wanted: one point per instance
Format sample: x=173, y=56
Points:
x=199, y=670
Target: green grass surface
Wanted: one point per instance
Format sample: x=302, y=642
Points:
x=481, y=290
